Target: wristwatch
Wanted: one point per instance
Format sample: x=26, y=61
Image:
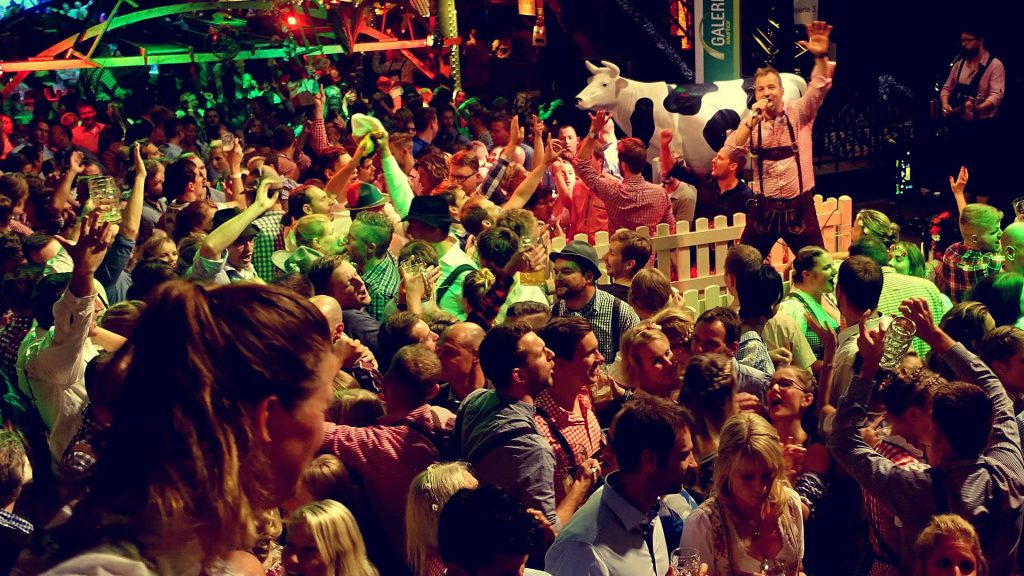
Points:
x=592, y=135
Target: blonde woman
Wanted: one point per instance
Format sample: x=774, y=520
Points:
x=950, y=545
x=753, y=523
x=647, y=361
x=428, y=494
x=324, y=540
x=877, y=224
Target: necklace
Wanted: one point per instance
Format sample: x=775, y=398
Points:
x=754, y=525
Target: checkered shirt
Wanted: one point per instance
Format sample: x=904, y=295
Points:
x=754, y=353
x=632, y=203
x=599, y=312
x=11, y=336
x=270, y=238
x=962, y=268
x=884, y=521
x=582, y=432
x=898, y=287
x=382, y=283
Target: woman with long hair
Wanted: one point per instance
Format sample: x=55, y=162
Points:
x=753, y=522
x=219, y=411
x=428, y=493
x=324, y=540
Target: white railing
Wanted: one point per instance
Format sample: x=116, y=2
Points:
x=694, y=257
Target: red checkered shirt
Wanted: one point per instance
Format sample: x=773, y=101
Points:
x=582, y=432
x=962, y=268
x=386, y=457
x=896, y=449
x=632, y=203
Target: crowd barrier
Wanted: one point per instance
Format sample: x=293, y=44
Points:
x=693, y=258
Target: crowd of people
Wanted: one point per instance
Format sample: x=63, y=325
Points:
x=315, y=343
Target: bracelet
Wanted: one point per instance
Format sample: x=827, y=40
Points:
x=233, y=176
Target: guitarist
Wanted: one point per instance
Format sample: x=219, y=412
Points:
x=970, y=101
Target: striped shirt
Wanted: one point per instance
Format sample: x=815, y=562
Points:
x=898, y=287
x=885, y=532
x=987, y=491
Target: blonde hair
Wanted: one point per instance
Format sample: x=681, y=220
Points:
x=629, y=347
x=748, y=441
x=310, y=228
x=949, y=526
x=475, y=286
x=877, y=224
x=337, y=538
x=428, y=493
x=354, y=407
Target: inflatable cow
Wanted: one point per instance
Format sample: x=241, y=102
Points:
x=699, y=115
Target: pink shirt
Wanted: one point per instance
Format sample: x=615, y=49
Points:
x=386, y=457
x=781, y=178
x=990, y=88
x=86, y=138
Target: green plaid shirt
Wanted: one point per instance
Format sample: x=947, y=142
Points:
x=266, y=242
x=382, y=283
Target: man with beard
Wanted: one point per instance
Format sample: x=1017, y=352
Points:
x=226, y=254
x=495, y=429
x=970, y=102
x=576, y=272
x=616, y=532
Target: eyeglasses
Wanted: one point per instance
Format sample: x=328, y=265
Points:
x=785, y=384
x=461, y=179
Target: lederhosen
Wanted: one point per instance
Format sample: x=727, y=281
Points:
x=970, y=140
x=788, y=217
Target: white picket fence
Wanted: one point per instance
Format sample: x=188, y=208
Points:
x=702, y=248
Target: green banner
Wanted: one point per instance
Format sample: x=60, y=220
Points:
x=718, y=32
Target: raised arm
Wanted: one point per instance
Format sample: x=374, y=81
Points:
x=75, y=169
x=235, y=189
x=340, y=181
x=225, y=235
x=605, y=188
x=132, y=217
x=398, y=183
x=543, y=160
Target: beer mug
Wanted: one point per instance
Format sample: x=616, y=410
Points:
x=106, y=198
x=534, y=277
x=686, y=561
x=897, y=342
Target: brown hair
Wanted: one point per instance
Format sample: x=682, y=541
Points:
x=635, y=247
x=633, y=153
x=650, y=290
x=182, y=460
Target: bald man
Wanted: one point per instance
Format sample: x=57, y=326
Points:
x=459, y=352
x=1012, y=245
x=356, y=359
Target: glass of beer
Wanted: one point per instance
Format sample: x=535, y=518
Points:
x=534, y=277
x=896, y=342
x=106, y=198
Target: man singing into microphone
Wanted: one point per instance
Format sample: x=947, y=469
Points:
x=779, y=138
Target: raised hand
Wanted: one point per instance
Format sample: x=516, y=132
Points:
x=665, y=137
x=515, y=134
x=869, y=344
x=598, y=120
x=138, y=162
x=94, y=237
x=319, y=102
x=264, y=199
x=818, y=33
x=958, y=185
x=918, y=311
x=75, y=162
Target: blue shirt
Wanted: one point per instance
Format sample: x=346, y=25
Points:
x=606, y=538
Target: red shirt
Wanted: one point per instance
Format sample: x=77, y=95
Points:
x=387, y=456
x=587, y=213
x=582, y=432
x=882, y=518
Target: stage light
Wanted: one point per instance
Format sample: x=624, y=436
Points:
x=291, y=20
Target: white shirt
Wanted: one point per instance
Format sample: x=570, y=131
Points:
x=51, y=368
x=846, y=354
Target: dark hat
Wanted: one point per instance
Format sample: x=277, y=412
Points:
x=362, y=196
x=431, y=210
x=582, y=253
x=224, y=214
